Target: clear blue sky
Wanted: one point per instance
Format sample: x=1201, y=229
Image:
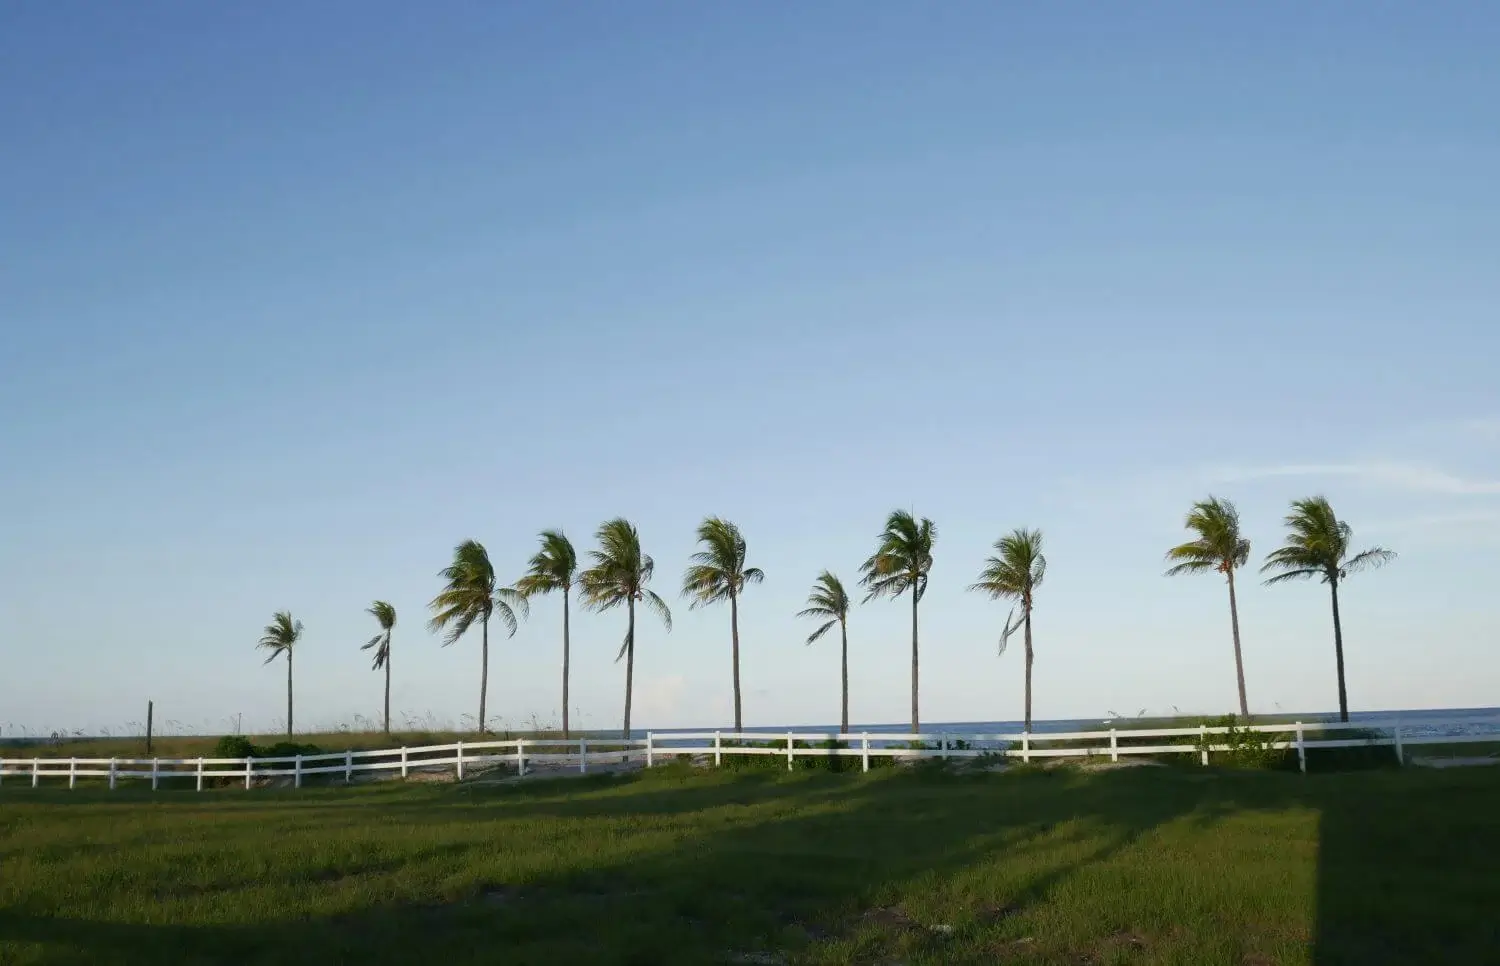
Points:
x=293, y=298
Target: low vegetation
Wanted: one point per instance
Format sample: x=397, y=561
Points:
x=689, y=866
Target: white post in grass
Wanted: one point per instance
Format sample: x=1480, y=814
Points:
x=459, y=761
x=72, y=772
x=1114, y=746
x=297, y=772
x=650, y=756
x=583, y=756
x=349, y=766
x=1400, y=752
x=864, y=750
x=1203, y=738
x=155, y=773
x=404, y=767
x=112, y=769
x=249, y=762
x=1026, y=747
x=2, y=770
x=788, y=751
x=944, y=739
x=1301, y=750
x=36, y=772
x=521, y=754
x=718, y=750
x=200, y=773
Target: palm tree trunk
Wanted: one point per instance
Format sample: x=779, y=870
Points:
x=734, y=631
x=1338, y=653
x=916, y=724
x=844, y=721
x=1239, y=661
x=1030, y=656
x=484, y=668
x=565, y=662
x=388, y=682
x=289, y=692
x=629, y=661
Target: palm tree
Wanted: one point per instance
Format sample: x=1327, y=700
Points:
x=829, y=602
x=1220, y=548
x=385, y=614
x=619, y=576
x=1317, y=545
x=719, y=573
x=1014, y=573
x=901, y=563
x=278, y=638
x=553, y=568
x=473, y=595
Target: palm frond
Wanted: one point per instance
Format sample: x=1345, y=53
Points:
x=718, y=570
x=653, y=601
x=1370, y=559
x=468, y=595
x=280, y=635
x=824, y=629
x=554, y=566
x=904, y=551
x=1304, y=573
x=1016, y=570
x=384, y=613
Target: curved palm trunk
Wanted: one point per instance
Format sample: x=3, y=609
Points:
x=288, y=692
x=629, y=661
x=484, y=668
x=734, y=631
x=387, y=683
x=1030, y=656
x=566, y=591
x=1239, y=661
x=844, y=720
x=1338, y=652
x=916, y=724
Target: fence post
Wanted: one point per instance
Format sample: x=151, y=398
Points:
x=403, y=761
x=864, y=750
x=72, y=772
x=1026, y=747
x=200, y=773
x=1301, y=750
x=521, y=754
x=155, y=773
x=1114, y=745
x=1400, y=752
x=1203, y=741
x=2, y=770
x=788, y=751
x=348, y=766
x=650, y=756
x=583, y=756
x=297, y=772
x=249, y=762
x=718, y=750
x=459, y=764
x=36, y=774
x=944, y=739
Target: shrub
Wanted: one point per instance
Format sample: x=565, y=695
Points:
x=1247, y=748
x=233, y=746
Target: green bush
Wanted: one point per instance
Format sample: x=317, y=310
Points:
x=1247, y=748
x=288, y=749
x=233, y=746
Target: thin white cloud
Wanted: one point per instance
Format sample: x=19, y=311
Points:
x=1418, y=477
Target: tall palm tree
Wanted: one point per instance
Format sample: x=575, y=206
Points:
x=1219, y=548
x=554, y=568
x=619, y=576
x=472, y=594
x=385, y=614
x=1014, y=573
x=278, y=638
x=718, y=572
x=829, y=602
x=1317, y=545
x=901, y=562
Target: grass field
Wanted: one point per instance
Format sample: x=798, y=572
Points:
x=904, y=866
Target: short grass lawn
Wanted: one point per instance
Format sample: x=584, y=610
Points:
x=676, y=865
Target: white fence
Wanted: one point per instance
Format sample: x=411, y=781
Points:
x=523, y=752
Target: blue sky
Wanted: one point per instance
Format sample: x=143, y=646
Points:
x=293, y=299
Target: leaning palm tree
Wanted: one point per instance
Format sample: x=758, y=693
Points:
x=554, y=568
x=385, y=615
x=619, y=576
x=1317, y=545
x=472, y=594
x=901, y=563
x=829, y=602
x=1218, y=548
x=278, y=638
x=1014, y=573
x=719, y=573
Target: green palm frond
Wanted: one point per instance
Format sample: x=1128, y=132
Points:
x=1219, y=545
x=827, y=600
x=472, y=595
x=718, y=571
x=1317, y=545
x=280, y=635
x=554, y=567
x=1016, y=570
x=620, y=571
x=902, y=558
x=385, y=614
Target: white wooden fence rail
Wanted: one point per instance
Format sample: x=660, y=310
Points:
x=792, y=745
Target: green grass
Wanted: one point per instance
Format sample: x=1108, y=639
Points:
x=1143, y=865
